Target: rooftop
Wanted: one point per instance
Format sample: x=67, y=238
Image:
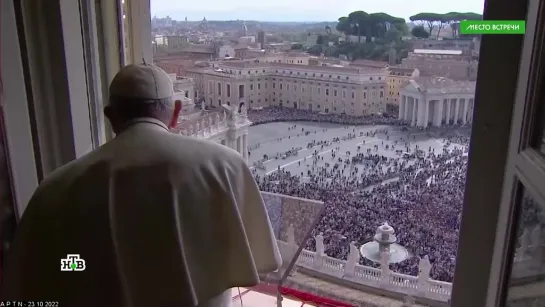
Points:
x=242, y=64
x=438, y=51
x=370, y=63
x=240, y=46
x=441, y=85
x=399, y=69
x=295, y=54
x=254, y=64
x=199, y=48
x=320, y=68
x=196, y=69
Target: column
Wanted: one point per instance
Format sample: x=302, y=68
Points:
x=457, y=111
x=245, y=146
x=444, y=104
x=471, y=109
x=401, y=107
x=231, y=139
x=239, y=145
x=408, y=106
x=438, y=117
x=466, y=107
x=426, y=112
x=415, y=112
x=449, y=109
x=420, y=113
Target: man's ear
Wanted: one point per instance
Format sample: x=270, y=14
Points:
x=111, y=115
x=108, y=112
x=175, y=114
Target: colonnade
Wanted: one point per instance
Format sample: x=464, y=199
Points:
x=242, y=146
x=436, y=111
x=234, y=140
x=238, y=142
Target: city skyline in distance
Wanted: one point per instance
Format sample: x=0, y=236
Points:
x=302, y=10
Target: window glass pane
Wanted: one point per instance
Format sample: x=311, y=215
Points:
x=540, y=135
x=527, y=278
x=538, y=132
x=125, y=24
x=394, y=159
x=7, y=208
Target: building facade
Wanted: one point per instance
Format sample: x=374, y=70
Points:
x=436, y=102
x=452, y=64
x=322, y=89
x=227, y=127
x=261, y=38
x=444, y=44
x=292, y=57
x=398, y=78
x=171, y=41
x=312, y=39
x=184, y=92
x=369, y=64
x=226, y=51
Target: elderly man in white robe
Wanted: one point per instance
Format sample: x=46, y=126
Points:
x=160, y=219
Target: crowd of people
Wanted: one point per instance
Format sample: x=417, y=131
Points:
x=422, y=198
x=280, y=114
x=421, y=194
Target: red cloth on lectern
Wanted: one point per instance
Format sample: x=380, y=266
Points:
x=300, y=296
x=313, y=299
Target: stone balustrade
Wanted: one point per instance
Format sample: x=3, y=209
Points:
x=525, y=265
x=383, y=279
x=211, y=124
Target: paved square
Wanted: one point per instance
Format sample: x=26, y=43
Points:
x=275, y=139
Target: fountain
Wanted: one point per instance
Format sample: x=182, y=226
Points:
x=384, y=241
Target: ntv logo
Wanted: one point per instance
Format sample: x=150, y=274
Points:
x=72, y=263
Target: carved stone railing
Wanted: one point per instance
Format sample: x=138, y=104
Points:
x=204, y=126
x=383, y=279
x=210, y=125
x=527, y=263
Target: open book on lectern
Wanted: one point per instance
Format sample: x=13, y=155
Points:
x=293, y=219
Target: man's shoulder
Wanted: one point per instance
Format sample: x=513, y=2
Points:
x=206, y=150
x=187, y=152
x=68, y=170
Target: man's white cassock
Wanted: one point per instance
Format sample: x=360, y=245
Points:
x=160, y=220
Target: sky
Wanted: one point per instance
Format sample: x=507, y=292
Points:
x=303, y=10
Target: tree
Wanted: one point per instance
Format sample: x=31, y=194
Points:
x=472, y=16
x=315, y=50
x=418, y=19
x=382, y=22
x=442, y=21
x=427, y=19
x=402, y=27
x=454, y=18
x=344, y=26
x=359, y=21
x=297, y=47
x=455, y=27
x=393, y=35
x=439, y=21
x=420, y=32
x=320, y=40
